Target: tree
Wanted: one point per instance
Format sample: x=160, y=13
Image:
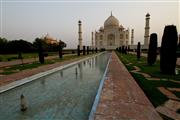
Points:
x=152, y=52
x=87, y=50
x=168, y=49
x=96, y=49
x=78, y=50
x=61, y=46
x=123, y=49
x=138, y=50
x=3, y=43
x=84, y=50
x=40, y=50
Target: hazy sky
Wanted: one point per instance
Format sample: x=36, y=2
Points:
x=28, y=19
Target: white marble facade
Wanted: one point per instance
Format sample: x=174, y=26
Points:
x=112, y=35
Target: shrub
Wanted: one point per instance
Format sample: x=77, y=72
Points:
x=40, y=51
x=96, y=50
x=168, y=50
x=138, y=50
x=84, y=50
x=152, y=52
x=78, y=50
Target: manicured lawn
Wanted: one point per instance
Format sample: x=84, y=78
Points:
x=150, y=86
x=24, y=55
x=18, y=68
x=153, y=70
x=150, y=89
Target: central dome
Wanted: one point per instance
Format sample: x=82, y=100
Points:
x=111, y=22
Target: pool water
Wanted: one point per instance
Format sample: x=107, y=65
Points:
x=67, y=94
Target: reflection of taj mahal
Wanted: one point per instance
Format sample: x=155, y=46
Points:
x=112, y=35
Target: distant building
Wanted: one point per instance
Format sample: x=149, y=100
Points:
x=112, y=35
x=50, y=40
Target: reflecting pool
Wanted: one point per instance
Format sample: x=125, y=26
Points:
x=67, y=94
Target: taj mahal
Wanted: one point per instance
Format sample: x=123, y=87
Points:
x=111, y=35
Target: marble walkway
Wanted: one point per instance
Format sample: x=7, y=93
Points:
x=121, y=97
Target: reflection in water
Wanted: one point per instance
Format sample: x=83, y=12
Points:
x=80, y=71
x=61, y=72
x=67, y=94
x=76, y=72
x=90, y=63
x=95, y=61
x=43, y=82
x=84, y=63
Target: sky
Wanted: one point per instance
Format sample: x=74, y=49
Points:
x=29, y=19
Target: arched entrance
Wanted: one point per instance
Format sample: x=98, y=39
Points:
x=111, y=40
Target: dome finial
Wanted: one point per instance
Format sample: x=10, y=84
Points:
x=111, y=13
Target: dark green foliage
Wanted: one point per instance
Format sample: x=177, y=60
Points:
x=125, y=50
x=15, y=46
x=40, y=51
x=128, y=49
x=20, y=55
x=92, y=50
x=150, y=88
x=102, y=49
x=96, y=50
x=168, y=50
x=178, y=111
x=152, y=52
x=78, y=50
x=61, y=46
x=120, y=49
x=60, y=51
x=138, y=50
x=84, y=50
x=87, y=50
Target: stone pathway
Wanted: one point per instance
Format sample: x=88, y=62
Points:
x=170, y=107
x=121, y=97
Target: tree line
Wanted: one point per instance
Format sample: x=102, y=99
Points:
x=16, y=46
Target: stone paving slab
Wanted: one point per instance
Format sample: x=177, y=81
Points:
x=168, y=112
x=121, y=97
x=168, y=93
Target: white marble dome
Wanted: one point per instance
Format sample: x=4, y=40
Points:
x=111, y=21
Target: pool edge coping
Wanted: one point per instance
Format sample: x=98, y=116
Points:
x=41, y=74
x=97, y=98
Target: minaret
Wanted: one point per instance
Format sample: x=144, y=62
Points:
x=132, y=36
x=95, y=39
x=147, y=28
x=80, y=34
x=92, y=40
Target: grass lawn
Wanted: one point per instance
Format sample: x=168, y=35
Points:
x=24, y=55
x=18, y=68
x=150, y=86
x=153, y=70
